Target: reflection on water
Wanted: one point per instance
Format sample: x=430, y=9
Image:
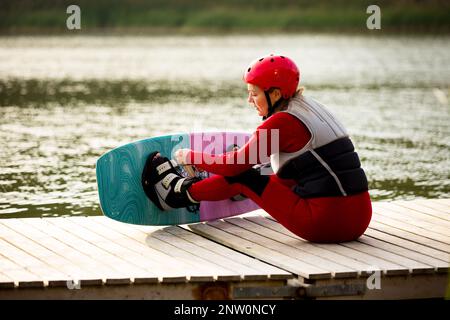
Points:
x=44, y=92
x=61, y=109
x=323, y=59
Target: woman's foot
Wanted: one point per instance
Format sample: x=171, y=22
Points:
x=164, y=185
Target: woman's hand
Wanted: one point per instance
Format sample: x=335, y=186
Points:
x=181, y=156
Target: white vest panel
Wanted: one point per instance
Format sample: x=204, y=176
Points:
x=322, y=125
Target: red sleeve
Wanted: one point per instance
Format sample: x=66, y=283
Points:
x=281, y=132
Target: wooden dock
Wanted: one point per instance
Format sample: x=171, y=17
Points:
x=404, y=254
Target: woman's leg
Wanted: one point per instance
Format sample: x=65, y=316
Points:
x=340, y=219
x=214, y=188
x=267, y=191
x=329, y=219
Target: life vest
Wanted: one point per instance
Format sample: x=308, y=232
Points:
x=328, y=164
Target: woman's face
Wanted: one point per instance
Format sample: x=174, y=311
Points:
x=258, y=99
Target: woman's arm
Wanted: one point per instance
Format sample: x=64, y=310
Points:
x=281, y=132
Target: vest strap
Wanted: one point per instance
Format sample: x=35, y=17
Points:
x=331, y=170
x=326, y=166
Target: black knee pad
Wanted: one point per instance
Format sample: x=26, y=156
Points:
x=252, y=179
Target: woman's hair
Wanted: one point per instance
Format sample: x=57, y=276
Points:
x=284, y=103
x=299, y=91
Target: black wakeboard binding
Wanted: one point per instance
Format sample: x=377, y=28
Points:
x=165, y=186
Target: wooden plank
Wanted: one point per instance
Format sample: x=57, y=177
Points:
x=113, y=252
x=432, y=204
x=418, y=215
x=418, y=207
x=40, y=272
x=437, y=257
x=157, y=264
x=256, y=265
x=417, y=226
x=18, y=273
x=41, y=252
x=376, y=216
x=181, y=271
x=94, y=269
x=400, y=233
x=368, y=269
x=404, y=234
x=196, y=270
x=6, y=282
x=300, y=255
x=294, y=248
x=218, y=265
x=200, y=269
x=88, y=269
x=415, y=219
x=31, y=255
x=407, y=232
x=225, y=256
x=134, y=265
x=80, y=248
x=260, y=252
x=438, y=231
x=425, y=264
x=387, y=267
x=364, y=245
x=445, y=202
x=207, y=268
x=439, y=207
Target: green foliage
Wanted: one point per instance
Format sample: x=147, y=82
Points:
x=223, y=15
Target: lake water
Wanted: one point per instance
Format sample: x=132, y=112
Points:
x=64, y=101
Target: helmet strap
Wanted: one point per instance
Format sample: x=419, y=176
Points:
x=271, y=108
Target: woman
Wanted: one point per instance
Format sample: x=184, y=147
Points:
x=317, y=190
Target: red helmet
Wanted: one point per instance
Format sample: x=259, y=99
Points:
x=274, y=71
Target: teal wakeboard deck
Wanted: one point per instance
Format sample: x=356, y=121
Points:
x=122, y=197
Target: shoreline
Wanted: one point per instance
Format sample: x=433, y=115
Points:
x=229, y=17
x=157, y=31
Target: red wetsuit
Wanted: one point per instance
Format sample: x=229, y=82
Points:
x=321, y=219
